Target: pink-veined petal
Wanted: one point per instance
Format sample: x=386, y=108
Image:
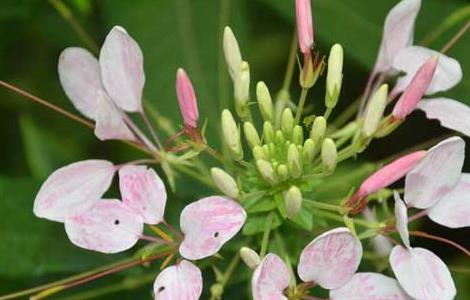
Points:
x=143, y=191
x=450, y=113
x=398, y=32
x=122, y=69
x=409, y=60
x=270, y=279
x=108, y=226
x=186, y=99
x=370, y=286
x=401, y=219
x=303, y=13
x=182, y=281
x=453, y=210
x=80, y=77
x=436, y=174
x=330, y=259
x=109, y=122
x=422, y=274
x=208, y=224
x=73, y=188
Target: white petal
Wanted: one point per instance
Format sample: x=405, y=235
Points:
x=143, y=190
x=122, y=70
x=108, y=226
x=422, y=274
x=398, y=32
x=80, y=76
x=409, y=60
x=180, y=282
x=401, y=219
x=270, y=279
x=454, y=209
x=370, y=286
x=436, y=174
x=450, y=113
x=331, y=259
x=73, y=188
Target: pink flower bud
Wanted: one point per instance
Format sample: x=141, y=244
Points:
x=186, y=99
x=416, y=89
x=303, y=12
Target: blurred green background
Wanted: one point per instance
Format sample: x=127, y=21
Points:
x=172, y=33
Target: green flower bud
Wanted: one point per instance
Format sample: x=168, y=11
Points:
x=334, y=77
x=279, y=137
x=282, y=100
x=225, y=182
x=267, y=150
x=217, y=290
x=308, y=152
x=251, y=134
x=266, y=171
x=317, y=133
x=233, y=57
x=293, y=201
x=311, y=70
x=268, y=132
x=242, y=90
x=250, y=257
x=265, y=103
x=294, y=163
x=287, y=122
x=375, y=110
x=298, y=135
x=328, y=155
x=231, y=135
x=282, y=172
x=258, y=153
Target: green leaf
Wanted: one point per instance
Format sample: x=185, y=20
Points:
x=281, y=205
x=255, y=223
x=304, y=219
x=256, y=205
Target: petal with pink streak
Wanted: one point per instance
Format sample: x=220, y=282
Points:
x=370, y=286
x=143, y=191
x=186, y=99
x=409, y=60
x=303, y=13
x=398, y=32
x=122, y=69
x=108, y=226
x=73, y=188
x=436, y=174
x=422, y=274
x=450, y=113
x=270, y=279
x=401, y=219
x=331, y=259
x=454, y=209
x=208, y=224
x=182, y=281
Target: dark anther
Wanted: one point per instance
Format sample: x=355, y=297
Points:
x=161, y=289
x=116, y=222
x=216, y=234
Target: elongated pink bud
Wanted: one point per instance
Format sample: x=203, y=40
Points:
x=303, y=12
x=416, y=89
x=186, y=99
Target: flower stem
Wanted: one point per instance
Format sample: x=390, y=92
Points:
x=290, y=63
x=300, y=107
x=440, y=239
x=456, y=38
x=321, y=205
x=267, y=231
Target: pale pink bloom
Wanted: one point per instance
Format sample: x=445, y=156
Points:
x=186, y=99
x=182, y=281
x=415, y=89
x=401, y=220
x=122, y=70
x=303, y=12
x=143, y=191
x=409, y=60
x=397, y=33
x=108, y=226
x=270, y=279
x=331, y=259
x=208, y=224
x=370, y=286
x=73, y=188
x=421, y=273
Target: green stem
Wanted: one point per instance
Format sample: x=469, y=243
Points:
x=300, y=107
x=199, y=177
x=290, y=63
x=267, y=231
x=346, y=114
x=283, y=252
x=230, y=269
x=338, y=218
x=321, y=205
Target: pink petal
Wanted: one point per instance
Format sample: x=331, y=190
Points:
x=208, y=224
x=398, y=32
x=370, y=286
x=436, y=174
x=143, y=191
x=186, y=99
x=409, y=60
x=109, y=121
x=331, y=259
x=108, y=226
x=79, y=73
x=401, y=219
x=122, y=69
x=450, y=113
x=303, y=11
x=453, y=210
x=270, y=279
x=422, y=274
x=180, y=282
x=73, y=188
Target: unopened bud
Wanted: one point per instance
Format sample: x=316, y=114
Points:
x=308, y=152
x=287, y=122
x=267, y=150
x=282, y=100
x=265, y=102
x=233, y=57
x=328, y=155
x=268, y=132
x=242, y=90
x=266, y=171
x=251, y=134
x=282, y=172
x=279, y=137
x=375, y=110
x=293, y=201
x=294, y=162
x=317, y=133
x=225, y=182
x=312, y=69
x=258, y=153
x=250, y=257
x=231, y=135
x=334, y=76
x=217, y=290
x=298, y=135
